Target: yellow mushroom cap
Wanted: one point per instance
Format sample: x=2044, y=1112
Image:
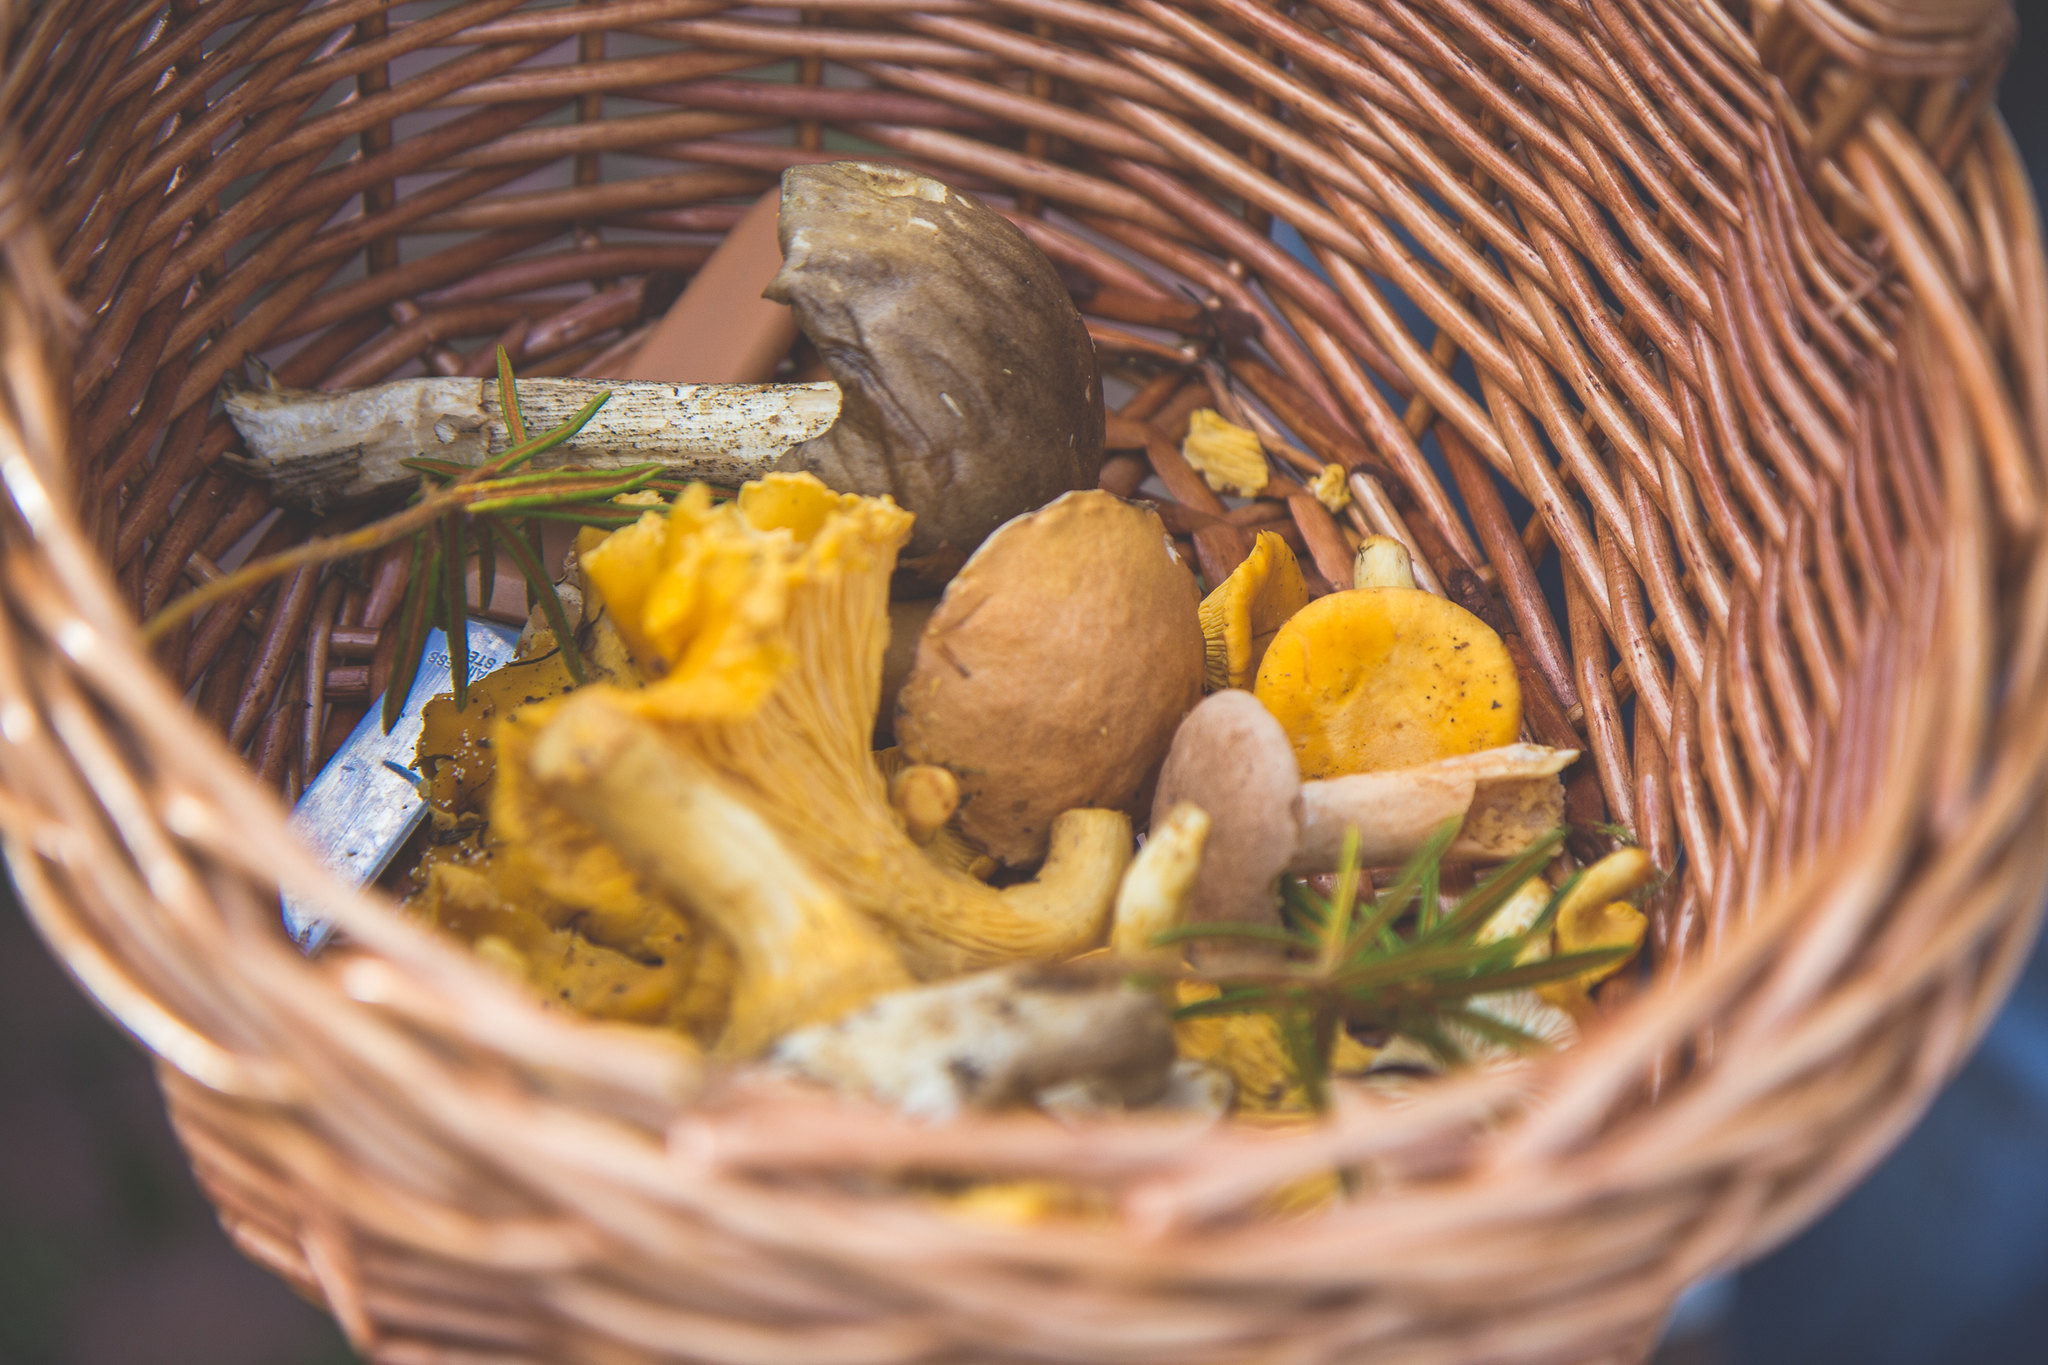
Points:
x=1240, y=618
x=1389, y=677
x=701, y=593
x=1615, y=924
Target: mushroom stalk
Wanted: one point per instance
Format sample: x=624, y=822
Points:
x=1154, y=894
x=1505, y=798
x=991, y=1039
x=321, y=449
x=966, y=383
x=805, y=956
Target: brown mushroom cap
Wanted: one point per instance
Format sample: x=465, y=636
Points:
x=1055, y=669
x=1233, y=759
x=970, y=391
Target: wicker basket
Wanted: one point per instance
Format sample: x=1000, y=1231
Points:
x=1757, y=303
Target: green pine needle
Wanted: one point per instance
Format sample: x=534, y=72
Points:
x=460, y=512
x=1388, y=963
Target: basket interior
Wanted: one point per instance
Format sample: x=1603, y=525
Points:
x=1701, y=349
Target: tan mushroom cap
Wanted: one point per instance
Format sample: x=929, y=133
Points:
x=1055, y=669
x=1232, y=759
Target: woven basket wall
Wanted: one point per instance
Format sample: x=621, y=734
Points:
x=1756, y=301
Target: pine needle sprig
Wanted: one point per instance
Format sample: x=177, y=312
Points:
x=460, y=512
x=1390, y=963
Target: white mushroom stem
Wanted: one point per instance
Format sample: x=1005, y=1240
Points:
x=1383, y=562
x=994, y=1038
x=323, y=448
x=1154, y=894
x=1504, y=797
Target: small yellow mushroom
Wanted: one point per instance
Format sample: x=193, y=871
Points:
x=1595, y=914
x=1617, y=924
x=1614, y=877
x=1243, y=612
x=1517, y=915
x=1248, y=1048
x=1226, y=455
x=1388, y=677
x=926, y=796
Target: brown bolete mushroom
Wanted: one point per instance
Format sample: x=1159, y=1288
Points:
x=969, y=386
x=966, y=383
x=1055, y=669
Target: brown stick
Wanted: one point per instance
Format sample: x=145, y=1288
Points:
x=1505, y=551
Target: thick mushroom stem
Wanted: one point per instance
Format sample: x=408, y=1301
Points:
x=1505, y=798
x=1382, y=562
x=322, y=449
x=995, y=1038
x=805, y=955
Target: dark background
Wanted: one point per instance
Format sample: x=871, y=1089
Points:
x=109, y=1256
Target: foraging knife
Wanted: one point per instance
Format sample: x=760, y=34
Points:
x=362, y=807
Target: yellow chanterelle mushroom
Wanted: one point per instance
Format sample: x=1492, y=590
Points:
x=739, y=782
x=1244, y=612
x=1388, y=676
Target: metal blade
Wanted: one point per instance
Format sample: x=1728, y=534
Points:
x=357, y=813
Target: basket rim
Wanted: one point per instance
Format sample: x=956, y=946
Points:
x=1908, y=929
